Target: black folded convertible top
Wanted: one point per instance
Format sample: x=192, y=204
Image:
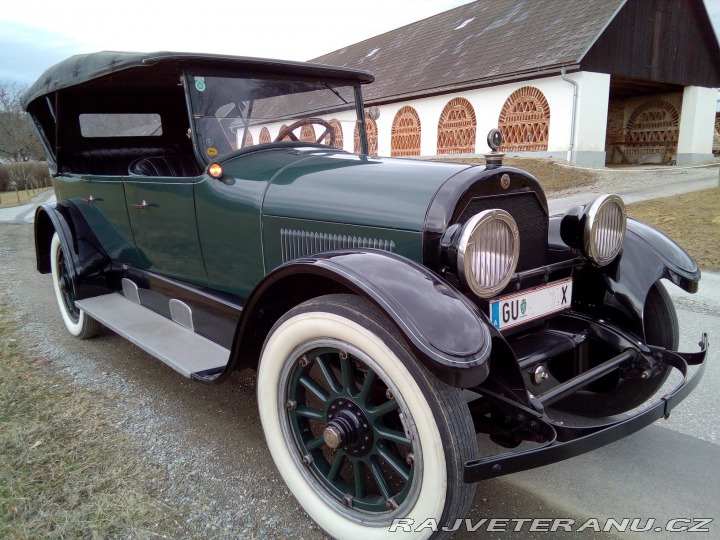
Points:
x=87, y=67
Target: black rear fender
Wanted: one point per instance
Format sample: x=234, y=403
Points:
x=85, y=257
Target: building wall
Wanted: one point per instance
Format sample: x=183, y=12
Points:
x=589, y=144
x=659, y=40
x=696, y=125
x=591, y=118
x=628, y=130
x=487, y=105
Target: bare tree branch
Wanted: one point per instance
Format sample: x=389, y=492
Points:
x=18, y=139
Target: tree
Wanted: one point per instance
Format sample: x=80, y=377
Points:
x=18, y=139
x=25, y=175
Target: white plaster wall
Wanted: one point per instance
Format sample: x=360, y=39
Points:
x=697, y=120
x=591, y=122
x=488, y=102
x=592, y=111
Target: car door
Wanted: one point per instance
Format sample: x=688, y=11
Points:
x=164, y=226
x=101, y=201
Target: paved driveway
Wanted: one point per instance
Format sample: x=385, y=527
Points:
x=25, y=213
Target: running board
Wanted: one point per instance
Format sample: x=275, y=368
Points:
x=181, y=349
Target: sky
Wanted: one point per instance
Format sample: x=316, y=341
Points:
x=44, y=32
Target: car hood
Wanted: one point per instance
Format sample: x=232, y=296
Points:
x=359, y=190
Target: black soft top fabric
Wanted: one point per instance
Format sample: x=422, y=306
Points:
x=87, y=67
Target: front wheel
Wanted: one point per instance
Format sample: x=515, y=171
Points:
x=360, y=431
x=78, y=323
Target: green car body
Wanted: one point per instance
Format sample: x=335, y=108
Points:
x=371, y=294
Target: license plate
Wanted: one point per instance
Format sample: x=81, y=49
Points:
x=531, y=304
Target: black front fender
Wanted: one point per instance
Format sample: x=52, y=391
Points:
x=620, y=289
x=448, y=333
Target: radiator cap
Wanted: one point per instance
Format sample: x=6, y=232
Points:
x=494, y=159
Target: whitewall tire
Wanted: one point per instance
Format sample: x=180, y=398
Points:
x=78, y=323
x=360, y=431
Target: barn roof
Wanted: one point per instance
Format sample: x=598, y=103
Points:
x=476, y=42
x=480, y=43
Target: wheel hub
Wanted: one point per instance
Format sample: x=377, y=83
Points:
x=348, y=428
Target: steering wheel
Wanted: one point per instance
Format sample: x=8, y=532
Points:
x=288, y=130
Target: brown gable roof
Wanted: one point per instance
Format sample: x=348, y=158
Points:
x=476, y=43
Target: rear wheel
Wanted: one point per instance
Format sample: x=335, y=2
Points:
x=360, y=431
x=78, y=323
x=661, y=329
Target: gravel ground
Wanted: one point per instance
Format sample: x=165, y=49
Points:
x=620, y=179
x=220, y=477
x=635, y=185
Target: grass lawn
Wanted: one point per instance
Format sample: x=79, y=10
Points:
x=692, y=220
x=554, y=176
x=65, y=472
x=10, y=198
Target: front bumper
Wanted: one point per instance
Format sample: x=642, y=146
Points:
x=563, y=442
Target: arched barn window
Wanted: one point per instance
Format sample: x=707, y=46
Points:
x=264, y=136
x=405, y=139
x=372, y=135
x=525, y=121
x=286, y=137
x=248, y=141
x=456, y=128
x=655, y=123
x=337, y=128
x=307, y=133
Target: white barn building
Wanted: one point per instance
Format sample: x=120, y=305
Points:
x=591, y=81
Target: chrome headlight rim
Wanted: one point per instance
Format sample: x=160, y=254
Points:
x=466, y=241
x=590, y=245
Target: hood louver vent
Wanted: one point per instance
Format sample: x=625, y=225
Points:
x=296, y=244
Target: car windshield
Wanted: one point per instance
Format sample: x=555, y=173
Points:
x=231, y=112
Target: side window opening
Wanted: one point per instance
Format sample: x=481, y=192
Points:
x=120, y=125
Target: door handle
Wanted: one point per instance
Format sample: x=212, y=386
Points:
x=142, y=206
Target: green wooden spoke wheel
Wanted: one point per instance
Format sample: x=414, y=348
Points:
x=359, y=430
x=349, y=427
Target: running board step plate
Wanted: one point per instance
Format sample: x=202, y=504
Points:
x=178, y=347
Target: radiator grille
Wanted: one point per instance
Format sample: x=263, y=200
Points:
x=531, y=220
x=295, y=244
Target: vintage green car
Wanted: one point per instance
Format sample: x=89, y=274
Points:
x=394, y=309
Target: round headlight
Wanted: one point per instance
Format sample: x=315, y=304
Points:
x=604, y=229
x=487, y=252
